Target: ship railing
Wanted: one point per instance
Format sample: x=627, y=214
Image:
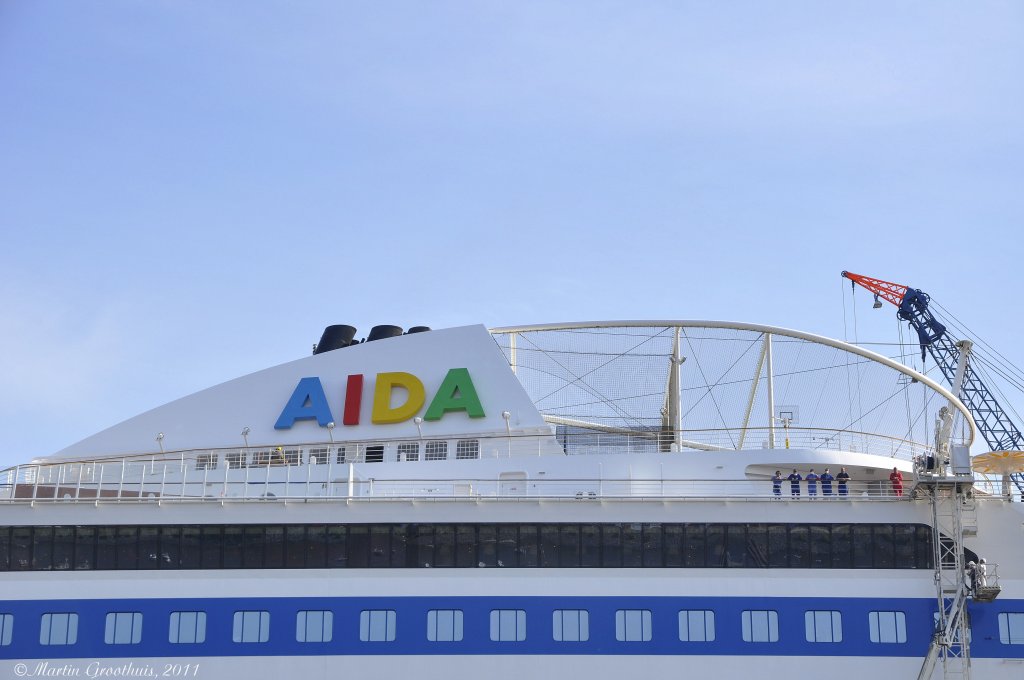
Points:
x=199, y=473
x=501, y=487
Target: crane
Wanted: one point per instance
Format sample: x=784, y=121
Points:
x=993, y=423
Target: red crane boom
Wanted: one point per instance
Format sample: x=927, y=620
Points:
x=892, y=292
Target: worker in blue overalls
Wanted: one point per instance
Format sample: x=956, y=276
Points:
x=812, y=483
x=794, y=483
x=826, y=483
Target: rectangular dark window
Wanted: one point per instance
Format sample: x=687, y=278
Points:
x=674, y=539
x=778, y=545
x=295, y=547
x=549, y=545
x=149, y=547
x=611, y=545
x=653, y=553
x=358, y=546
x=233, y=539
x=444, y=545
x=85, y=547
x=569, y=550
x=715, y=537
x=63, y=547
x=316, y=548
x=252, y=546
x=632, y=555
x=190, y=553
x=799, y=546
x=215, y=545
x=399, y=544
x=821, y=546
x=127, y=547
x=273, y=547
x=736, y=546
x=42, y=549
x=465, y=551
x=170, y=547
x=842, y=547
x=5, y=548
x=924, y=552
x=696, y=546
x=374, y=454
x=863, y=553
x=904, y=540
x=757, y=545
x=337, y=547
x=590, y=545
x=380, y=546
x=528, y=545
x=884, y=553
x=487, y=545
x=508, y=545
x=423, y=545
x=106, y=548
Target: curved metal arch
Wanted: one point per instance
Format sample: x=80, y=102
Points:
x=756, y=328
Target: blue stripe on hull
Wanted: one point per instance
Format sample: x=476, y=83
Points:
x=411, y=637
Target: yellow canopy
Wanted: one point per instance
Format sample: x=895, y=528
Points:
x=999, y=462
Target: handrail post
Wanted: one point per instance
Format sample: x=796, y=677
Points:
x=120, y=487
x=771, y=390
x=309, y=468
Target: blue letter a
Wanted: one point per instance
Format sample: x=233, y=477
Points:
x=308, y=401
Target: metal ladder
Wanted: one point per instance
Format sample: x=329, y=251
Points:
x=952, y=504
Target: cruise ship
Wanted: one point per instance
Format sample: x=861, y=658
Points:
x=596, y=499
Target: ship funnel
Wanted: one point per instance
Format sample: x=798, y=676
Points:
x=381, y=332
x=417, y=329
x=335, y=337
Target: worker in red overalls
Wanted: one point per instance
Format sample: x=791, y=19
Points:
x=897, y=482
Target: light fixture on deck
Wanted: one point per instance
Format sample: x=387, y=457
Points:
x=878, y=303
x=245, y=436
x=330, y=430
x=160, y=440
x=419, y=425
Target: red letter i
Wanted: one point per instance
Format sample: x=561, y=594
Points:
x=353, y=399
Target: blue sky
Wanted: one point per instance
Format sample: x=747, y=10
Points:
x=190, y=191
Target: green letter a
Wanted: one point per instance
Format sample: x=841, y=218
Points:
x=456, y=393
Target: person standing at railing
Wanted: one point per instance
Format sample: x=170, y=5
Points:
x=826, y=483
x=843, y=478
x=812, y=483
x=794, y=483
x=777, y=483
x=897, y=482
x=980, y=575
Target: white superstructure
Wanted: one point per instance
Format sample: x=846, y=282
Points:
x=593, y=497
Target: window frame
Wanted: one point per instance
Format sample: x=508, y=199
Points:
x=771, y=623
x=198, y=628
x=875, y=627
x=626, y=622
x=578, y=625
x=370, y=622
x=500, y=625
x=115, y=624
x=434, y=624
x=242, y=621
x=815, y=624
x=70, y=628
x=708, y=624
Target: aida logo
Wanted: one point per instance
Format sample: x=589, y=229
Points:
x=456, y=393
